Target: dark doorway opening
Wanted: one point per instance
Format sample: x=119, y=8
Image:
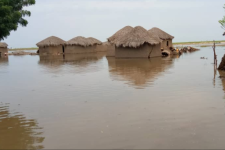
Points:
x=167, y=43
x=0, y=54
x=63, y=49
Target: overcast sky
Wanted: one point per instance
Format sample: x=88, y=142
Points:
x=187, y=20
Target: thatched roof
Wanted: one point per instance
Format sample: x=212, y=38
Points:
x=3, y=45
x=119, y=33
x=137, y=37
x=51, y=41
x=160, y=33
x=82, y=41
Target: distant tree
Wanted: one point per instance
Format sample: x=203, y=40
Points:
x=222, y=22
x=12, y=15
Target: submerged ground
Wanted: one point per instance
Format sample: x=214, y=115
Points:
x=90, y=101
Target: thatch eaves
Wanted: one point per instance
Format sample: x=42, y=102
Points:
x=82, y=41
x=137, y=37
x=3, y=45
x=93, y=41
x=160, y=33
x=51, y=41
x=119, y=34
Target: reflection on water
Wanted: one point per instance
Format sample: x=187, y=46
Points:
x=138, y=72
x=80, y=62
x=222, y=77
x=3, y=61
x=18, y=132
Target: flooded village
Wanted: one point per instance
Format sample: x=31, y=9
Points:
x=134, y=88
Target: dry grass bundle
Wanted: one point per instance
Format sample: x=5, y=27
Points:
x=82, y=41
x=51, y=41
x=160, y=33
x=120, y=33
x=3, y=45
x=137, y=37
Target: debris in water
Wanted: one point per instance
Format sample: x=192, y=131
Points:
x=189, y=49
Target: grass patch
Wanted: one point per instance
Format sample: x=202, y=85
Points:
x=16, y=49
x=199, y=42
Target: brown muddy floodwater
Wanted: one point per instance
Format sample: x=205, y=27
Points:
x=94, y=102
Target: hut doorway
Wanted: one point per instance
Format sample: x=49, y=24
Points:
x=0, y=54
x=63, y=48
x=167, y=43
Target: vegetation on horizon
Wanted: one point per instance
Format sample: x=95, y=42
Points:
x=31, y=48
x=198, y=42
x=12, y=15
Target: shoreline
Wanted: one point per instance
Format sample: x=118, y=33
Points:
x=201, y=43
x=20, y=49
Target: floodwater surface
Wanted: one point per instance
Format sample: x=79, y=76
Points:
x=93, y=102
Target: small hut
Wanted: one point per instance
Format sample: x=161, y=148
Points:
x=138, y=43
x=3, y=48
x=51, y=45
x=114, y=38
x=81, y=44
x=165, y=37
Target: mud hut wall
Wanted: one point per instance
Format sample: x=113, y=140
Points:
x=101, y=48
x=164, y=44
x=3, y=51
x=141, y=52
x=74, y=49
x=110, y=50
x=52, y=50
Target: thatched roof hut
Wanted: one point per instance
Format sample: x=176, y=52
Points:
x=51, y=41
x=3, y=45
x=119, y=34
x=3, y=48
x=137, y=37
x=160, y=33
x=82, y=41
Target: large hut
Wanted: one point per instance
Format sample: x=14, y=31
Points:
x=81, y=44
x=114, y=38
x=165, y=37
x=137, y=43
x=3, y=48
x=51, y=45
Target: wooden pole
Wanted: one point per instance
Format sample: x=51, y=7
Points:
x=215, y=56
x=215, y=62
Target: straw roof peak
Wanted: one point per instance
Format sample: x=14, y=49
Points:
x=160, y=33
x=51, y=41
x=82, y=41
x=137, y=37
x=119, y=33
x=3, y=45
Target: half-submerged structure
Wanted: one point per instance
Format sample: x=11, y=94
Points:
x=51, y=45
x=114, y=38
x=137, y=43
x=3, y=48
x=165, y=37
x=81, y=44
